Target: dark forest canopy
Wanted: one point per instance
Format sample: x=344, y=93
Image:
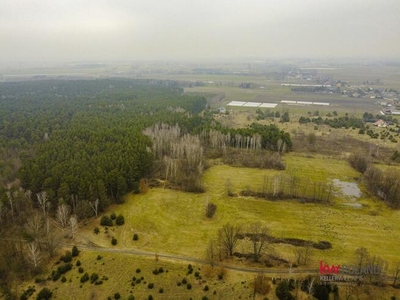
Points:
x=85, y=137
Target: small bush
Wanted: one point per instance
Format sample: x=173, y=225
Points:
x=63, y=279
x=64, y=268
x=106, y=221
x=151, y=285
x=120, y=220
x=85, y=278
x=44, y=294
x=67, y=257
x=75, y=251
x=117, y=296
x=206, y=288
x=113, y=216
x=94, y=277
x=161, y=290
x=150, y=297
x=96, y=230
x=137, y=270
x=196, y=274
x=155, y=272
x=160, y=270
x=184, y=280
x=55, y=275
x=135, y=237
x=98, y=282
x=114, y=241
x=99, y=257
x=261, y=285
x=189, y=286
x=211, y=209
x=26, y=294
x=80, y=270
x=78, y=263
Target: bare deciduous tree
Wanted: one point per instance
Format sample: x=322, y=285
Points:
x=62, y=215
x=258, y=236
x=310, y=286
x=11, y=198
x=228, y=237
x=212, y=252
x=44, y=202
x=362, y=256
x=52, y=242
x=34, y=227
x=28, y=194
x=33, y=254
x=74, y=203
x=303, y=254
x=95, y=206
x=73, y=223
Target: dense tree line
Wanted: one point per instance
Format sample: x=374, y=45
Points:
x=254, y=138
x=384, y=184
x=341, y=122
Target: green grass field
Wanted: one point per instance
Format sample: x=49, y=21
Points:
x=174, y=222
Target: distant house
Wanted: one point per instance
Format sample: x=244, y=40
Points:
x=387, y=110
x=221, y=110
x=380, y=123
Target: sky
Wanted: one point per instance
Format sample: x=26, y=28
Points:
x=129, y=30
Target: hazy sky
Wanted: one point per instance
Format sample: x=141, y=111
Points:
x=100, y=30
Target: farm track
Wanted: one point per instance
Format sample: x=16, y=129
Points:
x=95, y=248
x=89, y=246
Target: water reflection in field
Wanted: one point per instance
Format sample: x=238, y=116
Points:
x=351, y=192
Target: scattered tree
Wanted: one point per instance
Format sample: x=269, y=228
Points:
x=44, y=202
x=258, y=236
x=362, y=256
x=228, y=237
x=73, y=222
x=95, y=206
x=34, y=255
x=62, y=215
